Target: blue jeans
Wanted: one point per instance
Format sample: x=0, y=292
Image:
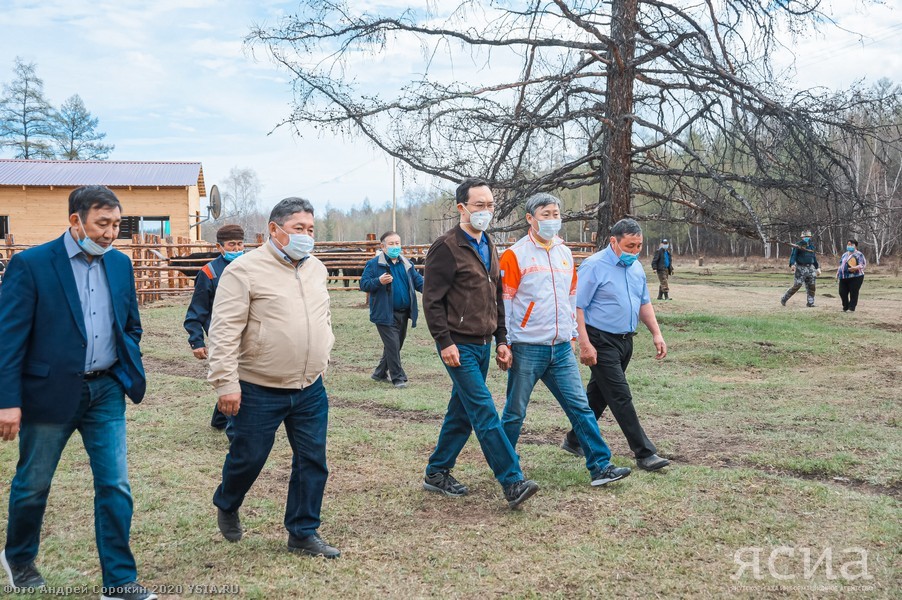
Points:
x=100, y=419
x=472, y=409
x=305, y=414
x=556, y=366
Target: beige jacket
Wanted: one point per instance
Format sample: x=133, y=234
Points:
x=271, y=323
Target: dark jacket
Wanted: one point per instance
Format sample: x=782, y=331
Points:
x=200, y=311
x=658, y=261
x=803, y=254
x=381, y=298
x=461, y=301
x=42, y=333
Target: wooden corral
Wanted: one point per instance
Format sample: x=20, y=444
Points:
x=167, y=266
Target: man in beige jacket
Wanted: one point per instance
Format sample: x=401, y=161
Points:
x=269, y=342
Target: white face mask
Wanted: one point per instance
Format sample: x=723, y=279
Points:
x=548, y=228
x=90, y=246
x=479, y=220
x=299, y=245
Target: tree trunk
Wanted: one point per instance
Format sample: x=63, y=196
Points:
x=614, y=192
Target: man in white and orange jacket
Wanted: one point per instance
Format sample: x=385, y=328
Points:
x=539, y=289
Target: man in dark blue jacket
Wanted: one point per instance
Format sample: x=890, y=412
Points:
x=392, y=282
x=69, y=335
x=230, y=243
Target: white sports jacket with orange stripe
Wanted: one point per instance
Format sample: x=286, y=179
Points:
x=539, y=287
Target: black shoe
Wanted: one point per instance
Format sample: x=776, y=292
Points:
x=384, y=379
x=443, y=483
x=22, y=577
x=400, y=384
x=129, y=591
x=574, y=449
x=660, y=296
x=609, y=474
x=666, y=296
x=519, y=492
x=312, y=545
x=810, y=305
x=783, y=301
x=229, y=524
x=652, y=463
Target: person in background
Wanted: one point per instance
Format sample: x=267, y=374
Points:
x=803, y=263
x=464, y=308
x=69, y=354
x=850, y=275
x=270, y=340
x=391, y=282
x=611, y=299
x=662, y=264
x=540, y=311
x=230, y=244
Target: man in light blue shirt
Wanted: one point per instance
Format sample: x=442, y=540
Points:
x=611, y=298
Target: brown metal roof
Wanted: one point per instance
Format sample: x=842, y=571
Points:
x=111, y=173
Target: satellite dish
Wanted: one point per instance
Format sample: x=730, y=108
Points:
x=215, y=207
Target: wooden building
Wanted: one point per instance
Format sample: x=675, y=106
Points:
x=163, y=198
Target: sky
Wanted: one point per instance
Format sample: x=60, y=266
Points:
x=171, y=80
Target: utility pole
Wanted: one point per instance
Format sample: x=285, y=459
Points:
x=394, y=197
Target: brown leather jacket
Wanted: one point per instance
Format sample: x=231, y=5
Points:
x=462, y=302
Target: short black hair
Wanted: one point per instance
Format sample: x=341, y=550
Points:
x=287, y=207
x=83, y=199
x=462, y=195
x=388, y=233
x=625, y=227
x=853, y=242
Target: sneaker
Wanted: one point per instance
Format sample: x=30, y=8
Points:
x=229, y=524
x=609, y=474
x=385, y=379
x=129, y=591
x=312, y=545
x=652, y=463
x=519, y=492
x=574, y=449
x=400, y=385
x=22, y=577
x=442, y=482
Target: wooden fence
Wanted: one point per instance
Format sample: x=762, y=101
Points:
x=166, y=266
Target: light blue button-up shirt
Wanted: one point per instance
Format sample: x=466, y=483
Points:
x=609, y=293
x=96, y=307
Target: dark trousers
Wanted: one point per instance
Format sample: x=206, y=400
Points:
x=392, y=341
x=305, y=414
x=848, y=291
x=608, y=388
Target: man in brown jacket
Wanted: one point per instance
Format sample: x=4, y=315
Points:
x=269, y=341
x=464, y=309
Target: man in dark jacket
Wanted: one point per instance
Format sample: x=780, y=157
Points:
x=803, y=262
x=69, y=354
x=230, y=243
x=662, y=264
x=464, y=308
x=392, y=282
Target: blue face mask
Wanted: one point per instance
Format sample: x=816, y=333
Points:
x=393, y=252
x=90, y=246
x=299, y=245
x=627, y=259
x=230, y=256
x=806, y=239
x=549, y=228
x=850, y=248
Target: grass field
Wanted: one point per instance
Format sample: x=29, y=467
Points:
x=783, y=425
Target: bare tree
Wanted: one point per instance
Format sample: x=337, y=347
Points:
x=75, y=132
x=672, y=110
x=26, y=118
x=241, y=201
